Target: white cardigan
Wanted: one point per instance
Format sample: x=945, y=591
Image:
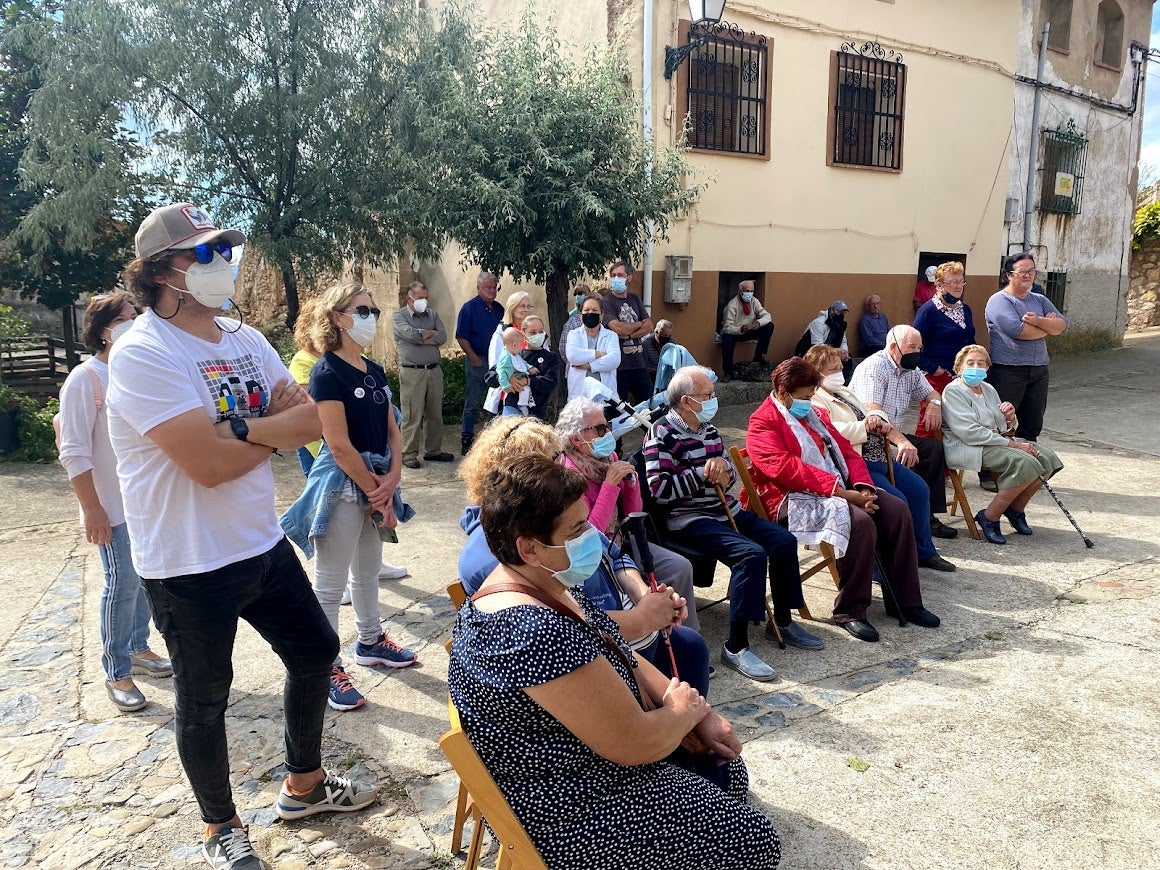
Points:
x=578, y=353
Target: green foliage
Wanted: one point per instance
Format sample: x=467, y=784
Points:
x=295, y=120
x=12, y=325
x=36, y=438
x=1082, y=340
x=281, y=338
x=1146, y=224
x=552, y=166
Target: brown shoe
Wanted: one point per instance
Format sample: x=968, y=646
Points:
x=412, y=463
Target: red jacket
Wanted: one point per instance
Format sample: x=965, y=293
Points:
x=775, y=459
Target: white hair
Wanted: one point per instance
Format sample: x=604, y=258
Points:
x=898, y=334
x=684, y=382
x=572, y=415
x=661, y=324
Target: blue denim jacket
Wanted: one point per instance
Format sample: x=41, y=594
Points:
x=309, y=516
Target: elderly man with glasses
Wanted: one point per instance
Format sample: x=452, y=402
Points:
x=686, y=468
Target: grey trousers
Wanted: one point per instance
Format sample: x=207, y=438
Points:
x=421, y=402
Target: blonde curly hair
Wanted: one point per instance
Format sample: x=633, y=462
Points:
x=954, y=267
x=501, y=441
x=321, y=330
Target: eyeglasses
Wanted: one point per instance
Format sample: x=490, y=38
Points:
x=698, y=396
x=953, y=283
x=204, y=252
x=1023, y=273
x=376, y=392
x=601, y=429
x=363, y=311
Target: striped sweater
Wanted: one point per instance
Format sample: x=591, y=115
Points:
x=674, y=457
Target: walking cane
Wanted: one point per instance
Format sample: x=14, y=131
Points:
x=1087, y=541
x=634, y=525
x=733, y=525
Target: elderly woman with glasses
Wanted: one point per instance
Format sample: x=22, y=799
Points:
x=946, y=326
x=351, y=502
x=979, y=431
x=613, y=489
x=581, y=734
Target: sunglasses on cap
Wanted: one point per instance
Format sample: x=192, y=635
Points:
x=363, y=311
x=204, y=252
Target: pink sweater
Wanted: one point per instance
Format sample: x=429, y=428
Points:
x=602, y=498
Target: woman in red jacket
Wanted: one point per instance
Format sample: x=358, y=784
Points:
x=810, y=477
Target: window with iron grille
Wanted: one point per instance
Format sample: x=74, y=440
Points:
x=868, y=97
x=1056, y=289
x=728, y=76
x=1064, y=158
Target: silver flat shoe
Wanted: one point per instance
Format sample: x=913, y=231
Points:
x=126, y=700
x=151, y=667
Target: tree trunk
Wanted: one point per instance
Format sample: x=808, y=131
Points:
x=557, y=287
x=290, y=288
x=68, y=324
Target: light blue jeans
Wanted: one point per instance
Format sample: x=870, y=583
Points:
x=124, y=608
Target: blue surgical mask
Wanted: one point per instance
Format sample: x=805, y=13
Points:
x=708, y=410
x=603, y=446
x=974, y=377
x=800, y=408
x=578, y=299
x=619, y=286
x=584, y=554
x=746, y=297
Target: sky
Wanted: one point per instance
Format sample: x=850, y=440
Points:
x=1150, y=147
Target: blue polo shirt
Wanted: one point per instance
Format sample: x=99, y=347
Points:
x=476, y=323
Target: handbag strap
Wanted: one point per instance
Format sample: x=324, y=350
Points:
x=646, y=702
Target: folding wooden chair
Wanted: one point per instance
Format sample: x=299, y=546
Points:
x=464, y=805
x=740, y=458
x=516, y=849
x=959, y=499
x=457, y=594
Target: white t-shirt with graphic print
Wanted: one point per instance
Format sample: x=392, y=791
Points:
x=158, y=372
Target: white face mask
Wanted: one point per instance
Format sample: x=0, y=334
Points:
x=362, y=330
x=119, y=330
x=420, y=305
x=834, y=380
x=212, y=283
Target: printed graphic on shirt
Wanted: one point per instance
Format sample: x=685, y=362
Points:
x=236, y=386
x=627, y=314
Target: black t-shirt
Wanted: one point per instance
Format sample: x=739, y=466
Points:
x=365, y=396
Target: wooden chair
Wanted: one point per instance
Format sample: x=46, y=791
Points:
x=516, y=849
x=740, y=458
x=457, y=594
x=464, y=805
x=959, y=499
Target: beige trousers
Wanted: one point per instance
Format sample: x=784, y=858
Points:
x=422, y=402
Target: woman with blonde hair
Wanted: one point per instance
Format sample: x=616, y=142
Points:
x=352, y=500
x=979, y=431
x=87, y=455
x=946, y=326
x=515, y=309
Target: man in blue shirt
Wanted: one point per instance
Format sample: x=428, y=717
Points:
x=474, y=327
x=873, y=326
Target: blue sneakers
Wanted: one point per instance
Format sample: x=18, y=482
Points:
x=383, y=651
x=342, y=695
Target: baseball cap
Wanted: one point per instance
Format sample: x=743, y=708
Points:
x=178, y=227
x=840, y=306
x=930, y=273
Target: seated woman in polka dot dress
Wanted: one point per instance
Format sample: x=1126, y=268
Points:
x=554, y=713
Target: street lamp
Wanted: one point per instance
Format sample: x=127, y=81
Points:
x=702, y=13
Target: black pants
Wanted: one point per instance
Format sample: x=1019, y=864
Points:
x=634, y=383
x=932, y=468
x=729, y=341
x=1025, y=387
x=198, y=616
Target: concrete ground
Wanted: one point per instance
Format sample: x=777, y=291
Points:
x=1022, y=733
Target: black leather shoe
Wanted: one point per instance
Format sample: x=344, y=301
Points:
x=439, y=457
x=861, y=629
x=989, y=529
x=937, y=563
x=465, y=445
x=1018, y=521
x=939, y=529
x=921, y=616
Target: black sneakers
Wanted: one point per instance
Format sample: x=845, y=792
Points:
x=230, y=849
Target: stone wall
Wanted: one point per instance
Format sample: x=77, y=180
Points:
x=1144, y=287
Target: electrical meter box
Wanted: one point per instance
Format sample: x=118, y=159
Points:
x=678, y=279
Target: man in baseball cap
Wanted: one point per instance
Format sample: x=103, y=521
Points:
x=829, y=327
x=196, y=407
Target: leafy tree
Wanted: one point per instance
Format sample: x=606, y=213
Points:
x=551, y=165
x=295, y=118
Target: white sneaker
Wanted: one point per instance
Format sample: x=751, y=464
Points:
x=392, y=572
x=746, y=662
x=345, y=595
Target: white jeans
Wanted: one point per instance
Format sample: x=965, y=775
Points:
x=350, y=548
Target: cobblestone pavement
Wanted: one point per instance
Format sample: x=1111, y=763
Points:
x=1020, y=734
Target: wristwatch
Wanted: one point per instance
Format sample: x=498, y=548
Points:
x=241, y=428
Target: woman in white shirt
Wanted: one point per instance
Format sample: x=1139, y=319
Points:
x=88, y=457
x=592, y=350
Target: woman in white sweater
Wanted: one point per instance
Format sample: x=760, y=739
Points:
x=593, y=351
x=88, y=457
x=977, y=433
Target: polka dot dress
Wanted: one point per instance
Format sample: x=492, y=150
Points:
x=581, y=810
